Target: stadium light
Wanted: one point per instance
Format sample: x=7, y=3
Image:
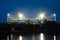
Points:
x=42, y=16
x=54, y=14
x=8, y=37
x=8, y=15
x=54, y=17
x=20, y=15
x=11, y=36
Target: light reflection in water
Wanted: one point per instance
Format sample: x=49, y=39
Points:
x=7, y=37
x=41, y=36
x=33, y=38
x=54, y=37
x=20, y=37
x=11, y=36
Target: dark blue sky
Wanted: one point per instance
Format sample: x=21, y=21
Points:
x=29, y=7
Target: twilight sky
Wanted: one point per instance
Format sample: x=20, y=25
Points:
x=29, y=8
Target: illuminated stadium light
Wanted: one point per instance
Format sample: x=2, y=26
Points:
x=42, y=16
x=54, y=14
x=8, y=15
x=41, y=36
x=54, y=17
x=20, y=15
x=20, y=37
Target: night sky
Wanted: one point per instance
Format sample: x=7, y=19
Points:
x=30, y=8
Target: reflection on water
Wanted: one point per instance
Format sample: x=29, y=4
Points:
x=54, y=37
x=32, y=37
x=11, y=36
x=40, y=36
x=20, y=37
x=7, y=37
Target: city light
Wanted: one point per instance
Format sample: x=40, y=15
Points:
x=42, y=16
x=20, y=37
x=41, y=36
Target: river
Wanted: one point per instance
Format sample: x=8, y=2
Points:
x=40, y=36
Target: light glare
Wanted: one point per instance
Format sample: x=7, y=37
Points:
x=41, y=16
x=54, y=14
x=20, y=15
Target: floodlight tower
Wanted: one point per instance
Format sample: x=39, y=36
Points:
x=54, y=17
x=20, y=16
x=42, y=17
x=8, y=15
